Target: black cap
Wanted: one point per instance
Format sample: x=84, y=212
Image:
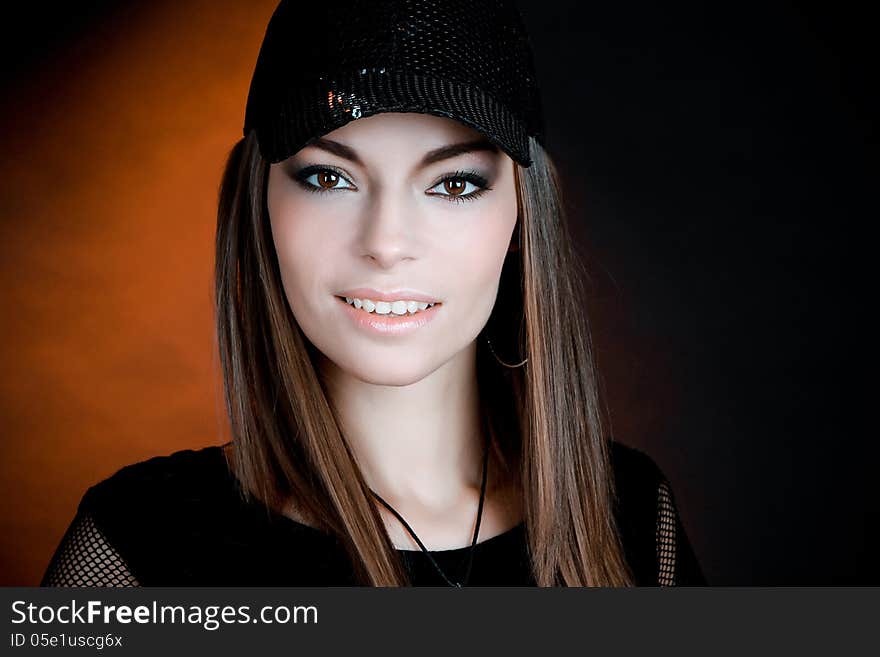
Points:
x=324, y=64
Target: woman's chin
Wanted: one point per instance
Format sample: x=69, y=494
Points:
x=379, y=371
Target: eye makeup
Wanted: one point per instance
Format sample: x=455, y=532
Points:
x=302, y=176
x=468, y=176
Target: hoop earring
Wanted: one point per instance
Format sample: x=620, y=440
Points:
x=488, y=342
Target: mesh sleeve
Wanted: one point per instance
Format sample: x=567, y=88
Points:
x=85, y=558
x=677, y=563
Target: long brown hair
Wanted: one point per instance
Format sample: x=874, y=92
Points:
x=543, y=419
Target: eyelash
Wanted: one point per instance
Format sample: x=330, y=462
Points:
x=468, y=176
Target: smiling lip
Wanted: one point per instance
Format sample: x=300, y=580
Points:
x=392, y=295
x=389, y=324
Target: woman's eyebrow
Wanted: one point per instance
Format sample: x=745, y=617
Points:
x=436, y=155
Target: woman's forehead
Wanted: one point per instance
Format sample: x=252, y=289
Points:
x=410, y=140
x=427, y=130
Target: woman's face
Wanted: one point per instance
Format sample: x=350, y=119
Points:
x=370, y=211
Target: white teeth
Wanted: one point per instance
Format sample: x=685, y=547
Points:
x=401, y=307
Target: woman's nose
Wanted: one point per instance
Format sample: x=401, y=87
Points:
x=389, y=228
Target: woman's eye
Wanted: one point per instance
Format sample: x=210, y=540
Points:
x=316, y=179
x=456, y=187
x=462, y=186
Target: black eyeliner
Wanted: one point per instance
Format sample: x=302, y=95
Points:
x=310, y=169
x=300, y=177
x=469, y=175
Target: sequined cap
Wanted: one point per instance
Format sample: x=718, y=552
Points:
x=324, y=64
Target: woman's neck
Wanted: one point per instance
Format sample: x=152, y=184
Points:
x=420, y=446
x=423, y=441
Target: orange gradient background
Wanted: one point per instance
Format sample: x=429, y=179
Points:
x=114, y=152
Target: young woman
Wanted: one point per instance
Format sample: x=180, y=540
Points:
x=407, y=366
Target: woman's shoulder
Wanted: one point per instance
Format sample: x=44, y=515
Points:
x=160, y=478
x=148, y=523
x=647, y=516
x=178, y=518
x=637, y=477
x=160, y=513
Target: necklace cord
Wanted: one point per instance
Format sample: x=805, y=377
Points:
x=476, y=529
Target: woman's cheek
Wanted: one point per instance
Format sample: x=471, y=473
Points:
x=474, y=279
x=487, y=247
x=297, y=260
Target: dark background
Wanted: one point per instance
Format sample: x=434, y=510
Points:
x=715, y=161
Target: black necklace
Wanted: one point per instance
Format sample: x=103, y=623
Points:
x=476, y=529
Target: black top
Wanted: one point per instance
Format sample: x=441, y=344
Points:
x=180, y=520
